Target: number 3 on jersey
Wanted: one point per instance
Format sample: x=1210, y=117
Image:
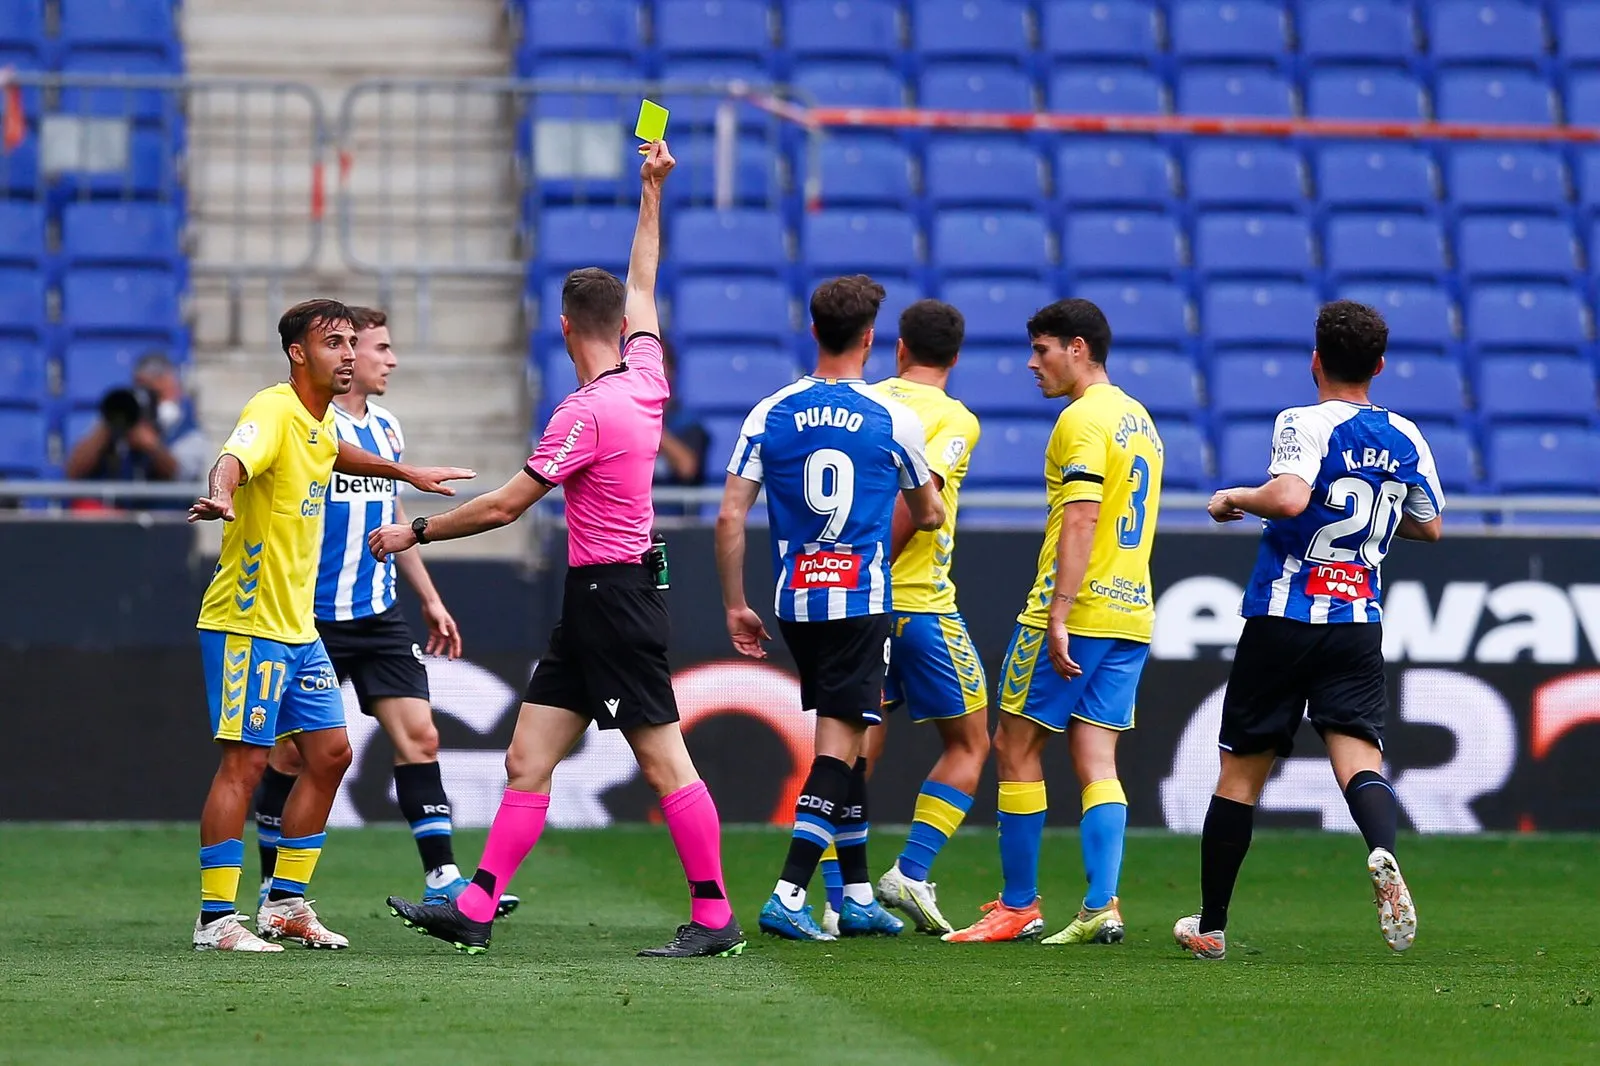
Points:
x=830, y=489
x=1130, y=527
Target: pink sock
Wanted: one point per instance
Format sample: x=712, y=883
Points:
x=691, y=817
x=515, y=831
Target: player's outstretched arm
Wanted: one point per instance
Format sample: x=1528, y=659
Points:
x=1285, y=496
x=644, y=261
x=924, y=505
x=358, y=462
x=226, y=476
x=490, y=511
x=444, y=636
x=744, y=625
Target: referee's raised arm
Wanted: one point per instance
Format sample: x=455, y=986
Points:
x=644, y=261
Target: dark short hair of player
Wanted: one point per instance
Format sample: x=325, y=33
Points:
x=1351, y=339
x=299, y=320
x=365, y=318
x=932, y=331
x=1066, y=319
x=842, y=310
x=593, y=301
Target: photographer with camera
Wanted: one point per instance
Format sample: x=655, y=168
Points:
x=145, y=433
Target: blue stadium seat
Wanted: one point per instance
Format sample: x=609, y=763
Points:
x=1260, y=384
x=582, y=28
x=1008, y=454
x=1526, y=317
x=24, y=378
x=589, y=71
x=1577, y=33
x=1557, y=459
x=1536, y=389
x=755, y=174
x=1506, y=177
x=1583, y=100
x=899, y=294
x=970, y=29
x=22, y=310
x=1384, y=246
x=1494, y=96
x=732, y=309
x=1125, y=31
x=1588, y=183
x=1184, y=469
x=1419, y=316
x=997, y=381
x=21, y=233
x=1454, y=456
x=103, y=300
x=1126, y=244
x=22, y=35
x=142, y=105
x=1377, y=176
x=737, y=28
x=1165, y=383
x=1228, y=31
x=1127, y=173
x=1244, y=449
x=730, y=379
x=1013, y=243
x=975, y=87
x=572, y=237
x=843, y=29
x=134, y=25
x=850, y=84
x=1141, y=313
x=1365, y=94
x=700, y=109
x=24, y=448
x=983, y=172
x=997, y=310
x=865, y=172
x=1356, y=31
x=1251, y=245
x=1239, y=315
x=1247, y=176
x=1122, y=90
x=849, y=242
x=1486, y=31
x=1424, y=388
x=138, y=234
x=91, y=367
x=1516, y=248
x=1234, y=91
x=708, y=241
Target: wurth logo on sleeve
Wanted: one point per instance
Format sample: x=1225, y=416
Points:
x=553, y=464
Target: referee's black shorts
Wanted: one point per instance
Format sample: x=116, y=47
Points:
x=379, y=656
x=608, y=653
x=1284, y=670
x=841, y=662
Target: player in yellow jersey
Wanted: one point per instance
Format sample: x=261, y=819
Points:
x=267, y=675
x=1084, y=634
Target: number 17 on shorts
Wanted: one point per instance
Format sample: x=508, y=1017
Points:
x=259, y=690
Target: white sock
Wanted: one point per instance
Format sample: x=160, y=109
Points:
x=859, y=894
x=441, y=876
x=791, y=895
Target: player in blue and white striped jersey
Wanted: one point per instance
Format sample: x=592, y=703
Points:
x=367, y=637
x=833, y=456
x=1346, y=478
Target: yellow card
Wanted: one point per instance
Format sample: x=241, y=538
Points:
x=652, y=124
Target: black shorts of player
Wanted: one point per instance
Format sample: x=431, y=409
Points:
x=379, y=656
x=608, y=654
x=1284, y=670
x=841, y=662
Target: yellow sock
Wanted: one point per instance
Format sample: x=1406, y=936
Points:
x=297, y=860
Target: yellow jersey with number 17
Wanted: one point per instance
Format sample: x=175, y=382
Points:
x=266, y=577
x=1104, y=449
x=921, y=575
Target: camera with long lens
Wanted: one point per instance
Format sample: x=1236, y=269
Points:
x=121, y=409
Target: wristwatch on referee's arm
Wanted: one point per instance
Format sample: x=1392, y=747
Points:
x=419, y=528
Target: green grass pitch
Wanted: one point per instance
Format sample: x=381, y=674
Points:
x=94, y=939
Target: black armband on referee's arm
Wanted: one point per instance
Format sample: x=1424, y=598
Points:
x=640, y=333
x=540, y=478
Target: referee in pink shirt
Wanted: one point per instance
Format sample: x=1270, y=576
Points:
x=607, y=661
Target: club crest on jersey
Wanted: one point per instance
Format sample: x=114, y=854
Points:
x=312, y=437
x=258, y=719
x=826, y=570
x=1343, y=581
x=394, y=439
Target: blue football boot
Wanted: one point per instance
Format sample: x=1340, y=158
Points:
x=868, y=920
x=779, y=920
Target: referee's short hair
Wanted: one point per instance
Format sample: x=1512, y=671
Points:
x=842, y=310
x=303, y=316
x=592, y=299
x=932, y=331
x=1351, y=340
x=1066, y=319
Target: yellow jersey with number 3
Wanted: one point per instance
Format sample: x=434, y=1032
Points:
x=1104, y=449
x=921, y=575
x=266, y=577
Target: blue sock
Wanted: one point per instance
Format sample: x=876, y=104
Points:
x=1101, y=832
x=939, y=813
x=1021, y=817
x=833, y=879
